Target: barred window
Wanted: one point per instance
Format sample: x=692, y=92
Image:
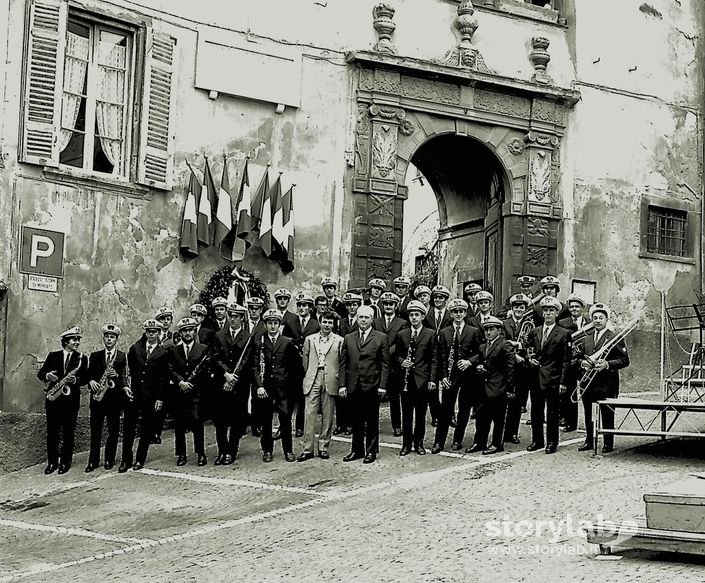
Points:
x=667, y=231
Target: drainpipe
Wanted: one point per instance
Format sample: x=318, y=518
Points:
x=702, y=230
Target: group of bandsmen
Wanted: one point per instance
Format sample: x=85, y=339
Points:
x=339, y=357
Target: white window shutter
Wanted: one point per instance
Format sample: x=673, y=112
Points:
x=155, y=165
x=43, y=82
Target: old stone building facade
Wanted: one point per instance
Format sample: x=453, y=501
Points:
x=558, y=138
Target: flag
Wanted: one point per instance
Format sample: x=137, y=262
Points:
x=258, y=204
x=224, y=210
x=287, y=259
x=277, y=219
x=231, y=248
x=242, y=220
x=189, y=239
x=265, y=226
x=206, y=207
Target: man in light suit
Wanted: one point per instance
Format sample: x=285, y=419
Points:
x=321, y=363
x=364, y=374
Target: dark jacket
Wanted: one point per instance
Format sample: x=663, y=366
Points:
x=292, y=329
x=96, y=367
x=364, y=366
x=606, y=383
x=282, y=363
x=554, y=357
x=425, y=357
x=55, y=363
x=396, y=325
x=230, y=356
x=344, y=328
x=468, y=349
x=430, y=320
x=498, y=362
x=150, y=376
x=206, y=335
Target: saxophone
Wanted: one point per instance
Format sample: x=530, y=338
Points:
x=106, y=382
x=411, y=353
x=62, y=387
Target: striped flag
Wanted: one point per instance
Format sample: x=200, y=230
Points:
x=265, y=227
x=189, y=239
x=258, y=205
x=243, y=220
x=206, y=208
x=277, y=219
x=231, y=248
x=224, y=211
x=287, y=259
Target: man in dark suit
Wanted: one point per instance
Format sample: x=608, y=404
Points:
x=548, y=351
x=438, y=317
x=391, y=325
x=364, y=376
x=203, y=334
x=416, y=355
x=377, y=287
x=576, y=321
x=605, y=384
x=219, y=306
x=497, y=373
x=458, y=355
x=298, y=329
x=167, y=339
x=275, y=361
x=347, y=325
x=148, y=362
x=470, y=292
x=329, y=286
x=402, y=286
x=485, y=303
x=282, y=297
x=231, y=384
x=188, y=368
x=108, y=379
x=550, y=287
x=255, y=326
x=66, y=366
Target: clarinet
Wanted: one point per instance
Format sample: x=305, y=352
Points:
x=411, y=353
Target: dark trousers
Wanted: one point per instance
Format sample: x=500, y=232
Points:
x=100, y=413
x=549, y=400
x=433, y=405
x=267, y=409
x=514, y=406
x=62, y=415
x=187, y=415
x=490, y=412
x=229, y=419
x=364, y=407
x=466, y=401
x=395, y=407
x=567, y=409
x=342, y=413
x=447, y=403
x=149, y=422
x=606, y=420
x=414, y=404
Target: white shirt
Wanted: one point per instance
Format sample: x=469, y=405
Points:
x=547, y=331
x=273, y=339
x=304, y=322
x=599, y=334
x=459, y=328
x=109, y=354
x=364, y=335
x=188, y=347
x=439, y=315
x=235, y=331
x=150, y=347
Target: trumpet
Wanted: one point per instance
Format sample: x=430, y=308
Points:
x=598, y=355
x=62, y=387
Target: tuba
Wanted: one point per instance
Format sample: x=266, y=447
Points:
x=61, y=387
x=526, y=325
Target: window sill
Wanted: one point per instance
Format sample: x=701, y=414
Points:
x=519, y=9
x=673, y=258
x=95, y=182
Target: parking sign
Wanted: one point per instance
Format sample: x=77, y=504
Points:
x=42, y=252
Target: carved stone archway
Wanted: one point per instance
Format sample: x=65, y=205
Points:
x=402, y=103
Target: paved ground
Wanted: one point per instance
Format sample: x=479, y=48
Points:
x=448, y=518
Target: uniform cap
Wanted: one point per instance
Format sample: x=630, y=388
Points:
x=272, y=315
x=492, y=321
x=378, y=283
x=185, y=323
x=599, y=307
x=349, y=297
x=255, y=302
x=74, y=332
x=526, y=280
x=111, y=328
x=304, y=298
x=219, y=301
x=235, y=308
x=422, y=289
x=199, y=309
x=416, y=306
x=389, y=297
x=282, y=292
x=152, y=325
x=484, y=295
x=550, y=302
x=550, y=280
x=164, y=311
x=575, y=298
x=457, y=304
x=402, y=280
x=328, y=281
x=441, y=290
x=472, y=288
x=519, y=299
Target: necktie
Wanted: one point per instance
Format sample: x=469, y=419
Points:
x=362, y=337
x=389, y=321
x=303, y=324
x=545, y=336
x=597, y=336
x=149, y=349
x=456, y=335
x=186, y=350
x=414, y=335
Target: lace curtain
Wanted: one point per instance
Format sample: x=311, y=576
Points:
x=110, y=100
x=75, y=69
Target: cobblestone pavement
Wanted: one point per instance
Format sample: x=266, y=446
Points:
x=447, y=518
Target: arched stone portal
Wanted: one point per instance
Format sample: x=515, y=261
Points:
x=404, y=107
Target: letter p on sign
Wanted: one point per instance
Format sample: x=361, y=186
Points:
x=42, y=252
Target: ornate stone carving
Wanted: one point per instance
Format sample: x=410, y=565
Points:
x=540, y=176
x=501, y=103
x=516, y=146
x=379, y=268
x=367, y=79
x=555, y=173
x=407, y=127
x=465, y=55
x=362, y=141
x=540, y=58
x=387, y=113
x=537, y=227
x=541, y=139
x=380, y=205
x=429, y=90
x=536, y=255
x=381, y=237
x=384, y=151
x=382, y=15
x=543, y=110
x=387, y=81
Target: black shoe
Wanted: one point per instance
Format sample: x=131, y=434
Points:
x=562, y=423
x=437, y=448
x=569, y=429
x=228, y=459
x=267, y=457
x=405, y=450
x=352, y=456
x=513, y=439
x=324, y=455
x=219, y=459
x=338, y=430
x=90, y=467
x=63, y=468
x=420, y=449
x=124, y=466
x=551, y=448
x=138, y=466
x=369, y=458
x=299, y=433
x=605, y=449
x=585, y=446
x=202, y=459
x=303, y=456
x=456, y=446
x=50, y=469
x=181, y=460
x=289, y=456
x=475, y=447
x=397, y=432
x=256, y=432
x=534, y=446
x=492, y=449
x=109, y=465
x=277, y=434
